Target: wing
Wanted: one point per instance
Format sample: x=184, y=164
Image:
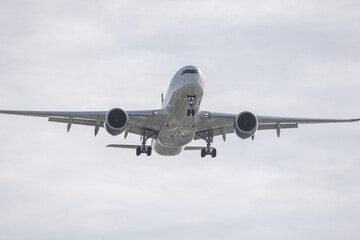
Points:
x=223, y=123
x=138, y=120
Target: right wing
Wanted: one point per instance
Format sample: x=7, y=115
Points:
x=223, y=123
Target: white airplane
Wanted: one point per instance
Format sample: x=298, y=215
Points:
x=178, y=122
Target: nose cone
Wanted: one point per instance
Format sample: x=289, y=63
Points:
x=191, y=73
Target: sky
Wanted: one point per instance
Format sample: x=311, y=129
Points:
x=279, y=57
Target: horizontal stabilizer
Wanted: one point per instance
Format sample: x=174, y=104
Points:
x=188, y=148
x=125, y=146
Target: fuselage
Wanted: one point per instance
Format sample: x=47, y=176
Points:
x=181, y=106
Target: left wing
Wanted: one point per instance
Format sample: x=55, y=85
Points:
x=223, y=123
x=138, y=120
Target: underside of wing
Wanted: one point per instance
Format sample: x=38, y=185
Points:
x=65, y=114
x=138, y=122
x=270, y=122
x=145, y=123
x=270, y=119
x=88, y=118
x=215, y=124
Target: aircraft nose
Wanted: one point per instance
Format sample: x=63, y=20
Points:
x=190, y=70
x=191, y=78
x=191, y=75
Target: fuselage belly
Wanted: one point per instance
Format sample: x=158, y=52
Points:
x=183, y=97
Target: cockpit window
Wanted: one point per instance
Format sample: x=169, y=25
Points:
x=192, y=71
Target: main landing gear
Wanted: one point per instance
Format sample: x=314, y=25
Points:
x=145, y=135
x=191, y=110
x=143, y=149
x=208, y=137
x=208, y=151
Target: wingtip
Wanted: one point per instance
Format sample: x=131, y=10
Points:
x=355, y=120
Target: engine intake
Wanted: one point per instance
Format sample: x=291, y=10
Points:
x=116, y=121
x=246, y=124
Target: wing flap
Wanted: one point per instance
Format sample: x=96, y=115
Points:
x=276, y=126
x=87, y=122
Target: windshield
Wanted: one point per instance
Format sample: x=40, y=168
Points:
x=191, y=71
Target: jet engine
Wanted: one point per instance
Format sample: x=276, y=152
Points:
x=116, y=121
x=246, y=124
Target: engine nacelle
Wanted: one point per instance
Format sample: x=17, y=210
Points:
x=246, y=124
x=116, y=121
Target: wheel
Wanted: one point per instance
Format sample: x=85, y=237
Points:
x=148, y=151
x=213, y=153
x=203, y=152
x=138, y=151
x=188, y=112
x=193, y=112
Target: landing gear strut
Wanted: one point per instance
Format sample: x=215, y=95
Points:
x=208, y=137
x=191, y=110
x=145, y=135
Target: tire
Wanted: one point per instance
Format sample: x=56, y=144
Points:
x=138, y=151
x=203, y=152
x=213, y=153
x=148, y=151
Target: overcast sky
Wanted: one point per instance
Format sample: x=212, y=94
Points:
x=279, y=57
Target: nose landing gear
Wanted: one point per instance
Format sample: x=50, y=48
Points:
x=191, y=110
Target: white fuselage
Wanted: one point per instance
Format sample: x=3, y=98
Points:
x=178, y=127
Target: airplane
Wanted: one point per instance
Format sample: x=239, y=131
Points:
x=178, y=122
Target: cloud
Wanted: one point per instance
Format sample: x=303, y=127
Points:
x=286, y=58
